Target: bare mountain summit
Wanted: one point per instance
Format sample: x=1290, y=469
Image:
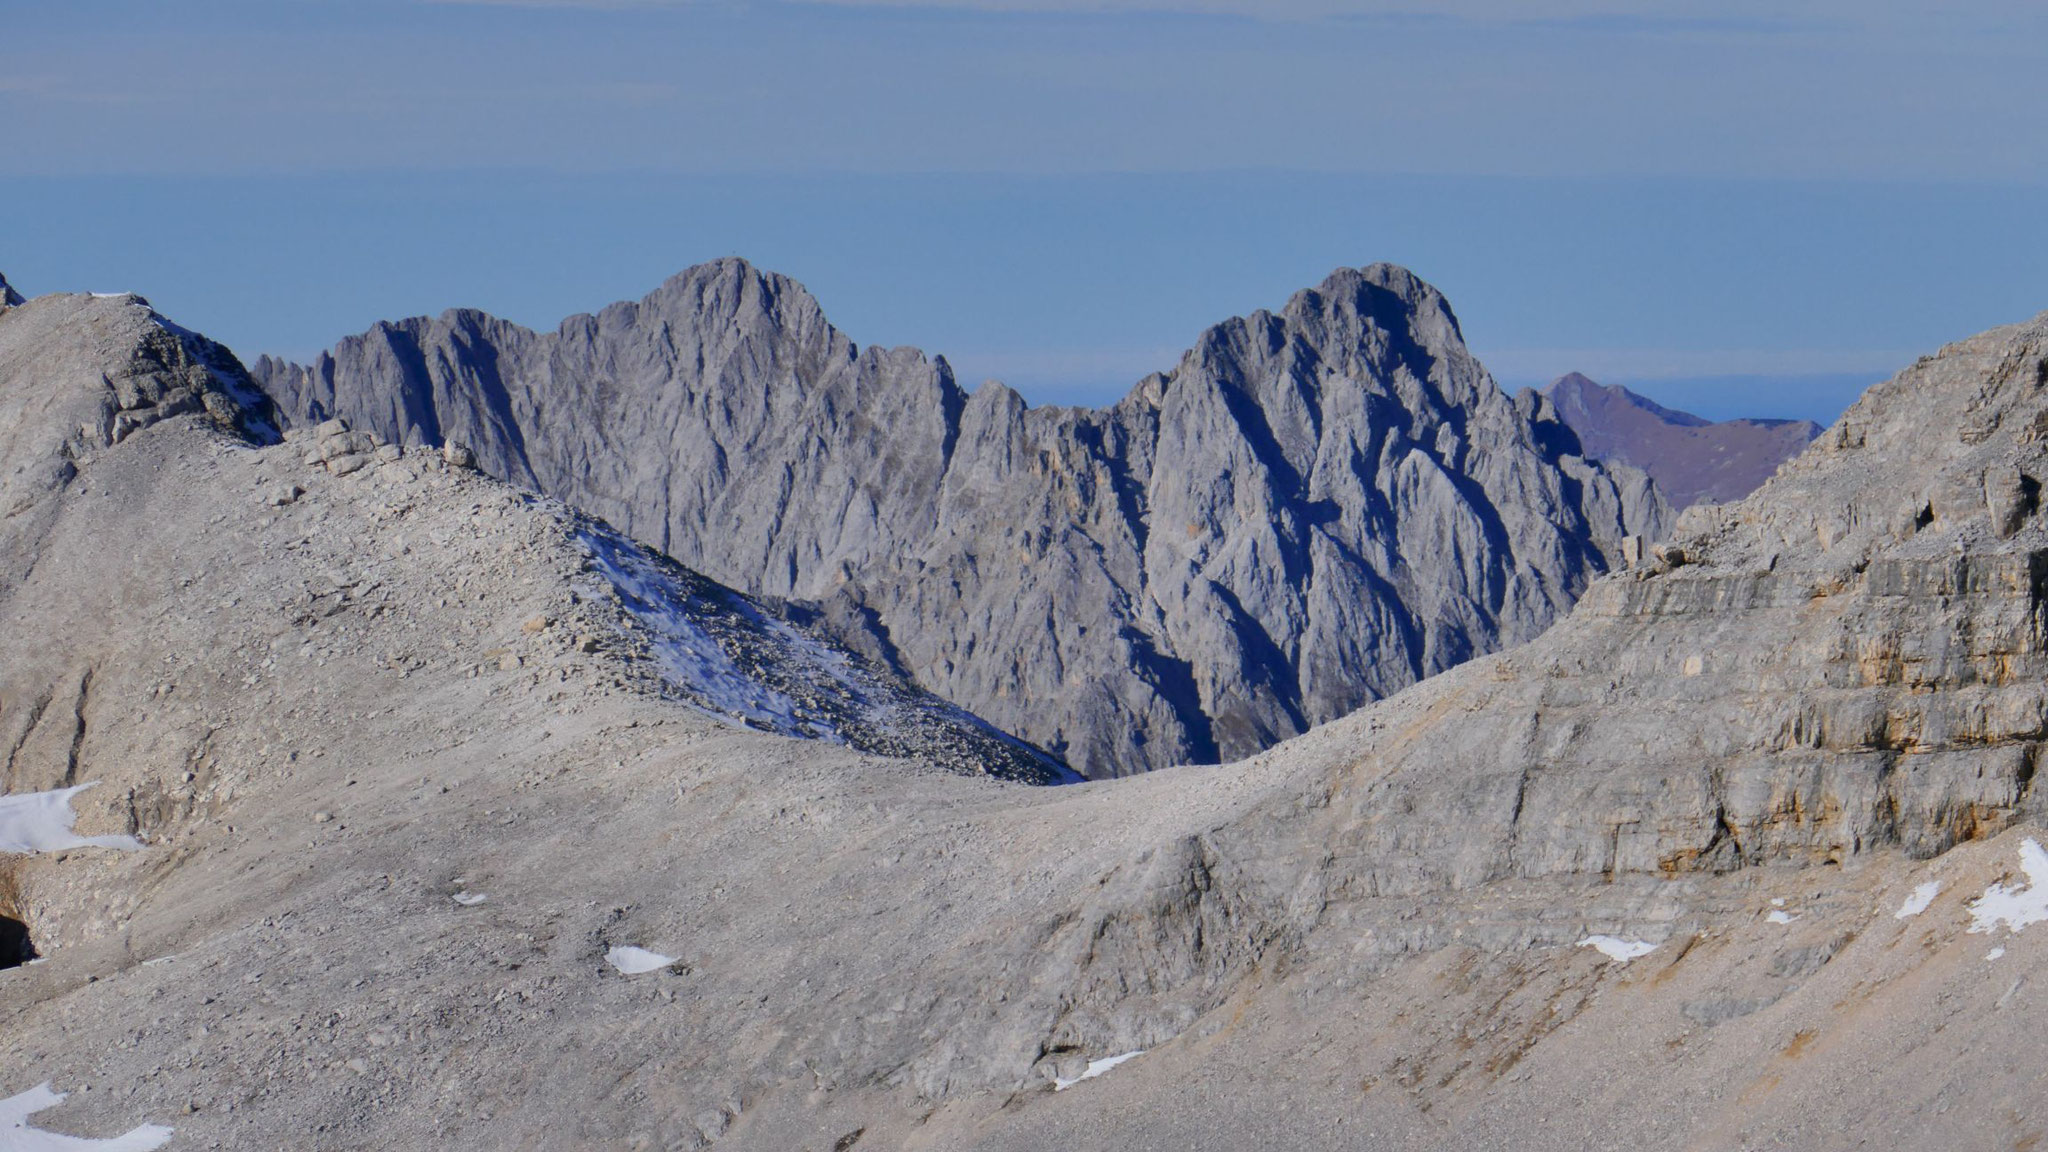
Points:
x=1693, y=460
x=1313, y=509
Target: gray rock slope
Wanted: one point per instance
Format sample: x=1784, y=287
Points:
x=84, y=373
x=1693, y=460
x=1313, y=509
x=1790, y=757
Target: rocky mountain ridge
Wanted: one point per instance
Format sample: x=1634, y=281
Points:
x=1313, y=509
x=1752, y=833
x=727, y=655
x=1693, y=460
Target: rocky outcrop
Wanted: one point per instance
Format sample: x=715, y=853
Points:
x=1693, y=460
x=1313, y=509
x=89, y=371
x=8, y=296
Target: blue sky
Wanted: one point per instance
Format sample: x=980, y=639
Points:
x=1739, y=208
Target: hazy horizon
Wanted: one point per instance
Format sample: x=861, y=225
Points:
x=1733, y=208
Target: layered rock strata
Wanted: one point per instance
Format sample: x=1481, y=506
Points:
x=1854, y=659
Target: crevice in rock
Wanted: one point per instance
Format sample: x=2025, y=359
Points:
x=35, y=717
x=77, y=730
x=1174, y=680
x=17, y=947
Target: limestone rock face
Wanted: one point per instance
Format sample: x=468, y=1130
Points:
x=1313, y=509
x=1692, y=460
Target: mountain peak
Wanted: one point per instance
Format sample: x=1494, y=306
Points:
x=1231, y=554
x=731, y=290
x=1576, y=391
x=1393, y=277
x=1574, y=383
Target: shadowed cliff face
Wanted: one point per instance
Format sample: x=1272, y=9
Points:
x=1314, y=509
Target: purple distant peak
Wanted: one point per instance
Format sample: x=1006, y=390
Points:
x=1581, y=388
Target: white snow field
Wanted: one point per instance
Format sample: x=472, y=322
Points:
x=2015, y=908
x=726, y=657
x=1618, y=949
x=1919, y=900
x=633, y=961
x=690, y=657
x=17, y=1136
x=41, y=822
x=1095, y=1068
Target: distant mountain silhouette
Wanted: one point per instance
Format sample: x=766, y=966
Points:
x=1693, y=460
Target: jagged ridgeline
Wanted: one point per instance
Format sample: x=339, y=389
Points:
x=1315, y=508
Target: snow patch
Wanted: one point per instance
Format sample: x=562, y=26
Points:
x=1994, y=954
x=1095, y=1068
x=690, y=656
x=1616, y=948
x=17, y=1136
x=718, y=651
x=470, y=899
x=1781, y=917
x=41, y=822
x=634, y=961
x=2015, y=908
x=1917, y=903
